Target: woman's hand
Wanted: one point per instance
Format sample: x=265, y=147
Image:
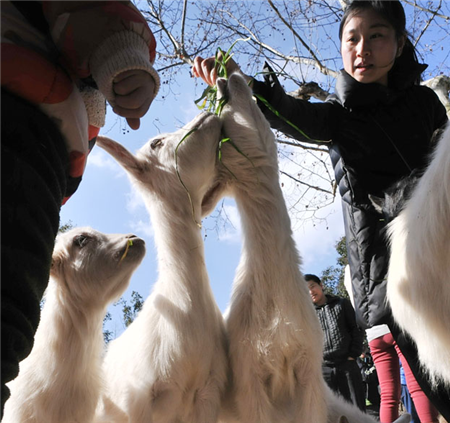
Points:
x=134, y=92
x=207, y=69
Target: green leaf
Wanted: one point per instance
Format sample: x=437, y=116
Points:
x=275, y=112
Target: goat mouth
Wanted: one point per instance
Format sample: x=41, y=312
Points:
x=134, y=246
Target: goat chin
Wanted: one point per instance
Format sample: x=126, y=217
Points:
x=418, y=288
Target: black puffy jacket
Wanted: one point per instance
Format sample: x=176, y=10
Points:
x=342, y=337
x=375, y=135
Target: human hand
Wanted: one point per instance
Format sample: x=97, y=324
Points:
x=207, y=68
x=134, y=92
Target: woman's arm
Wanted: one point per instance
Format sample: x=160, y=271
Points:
x=299, y=119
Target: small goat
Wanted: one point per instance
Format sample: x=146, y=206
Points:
x=170, y=365
x=418, y=287
x=60, y=381
x=275, y=339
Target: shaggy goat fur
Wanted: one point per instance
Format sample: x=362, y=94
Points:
x=170, y=365
x=418, y=288
x=275, y=339
x=60, y=381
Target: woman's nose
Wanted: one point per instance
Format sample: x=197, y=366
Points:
x=363, y=48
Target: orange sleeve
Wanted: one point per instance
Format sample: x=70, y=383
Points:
x=79, y=27
x=38, y=80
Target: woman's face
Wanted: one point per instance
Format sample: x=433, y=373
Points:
x=369, y=47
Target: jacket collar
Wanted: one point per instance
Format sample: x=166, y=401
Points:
x=353, y=94
x=330, y=300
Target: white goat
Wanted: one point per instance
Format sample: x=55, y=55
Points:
x=418, y=288
x=170, y=365
x=60, y=381
x=275, y=339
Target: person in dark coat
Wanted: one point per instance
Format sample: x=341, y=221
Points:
x=343, y=343
x=59, y=62
x=378, y=126
x=369, y=378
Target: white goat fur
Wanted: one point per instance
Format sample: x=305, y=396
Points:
x=418, y=288
x=60, y=381
x=170, y=365
x=275, y=339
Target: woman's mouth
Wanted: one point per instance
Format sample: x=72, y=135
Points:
x=363, y=67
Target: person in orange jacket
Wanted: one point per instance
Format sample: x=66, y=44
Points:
x=60, y=61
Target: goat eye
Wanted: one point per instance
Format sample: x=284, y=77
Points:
x=80, y=240
x=156, y=143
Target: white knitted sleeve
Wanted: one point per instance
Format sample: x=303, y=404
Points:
x=121, y=52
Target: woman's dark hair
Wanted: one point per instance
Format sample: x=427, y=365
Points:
x=392, y=11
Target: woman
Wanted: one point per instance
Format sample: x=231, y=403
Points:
x=378, y=127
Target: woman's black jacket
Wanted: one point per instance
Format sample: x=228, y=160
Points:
x=375, y=136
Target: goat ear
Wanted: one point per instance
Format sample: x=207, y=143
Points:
x=377, y=202
x=120, y=153
x=55, y=268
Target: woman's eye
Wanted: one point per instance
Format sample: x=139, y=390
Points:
x=80, y=240
x=156, y=143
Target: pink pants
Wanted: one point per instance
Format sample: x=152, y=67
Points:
x=385, y=354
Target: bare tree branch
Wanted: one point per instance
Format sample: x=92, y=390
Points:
x=161, y=24
x=183, y=26
x=287, y=58
x=295, y=143
x=321, y=67
x=425, y=9
x=416, y=42
x=317, y=188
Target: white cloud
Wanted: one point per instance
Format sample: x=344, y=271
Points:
x=135, y=201
x=225, y=222
x=142, y=227
x=316, y=243
x=317, y=224
x=190, y=110
x=99, y=158
x=232, y=232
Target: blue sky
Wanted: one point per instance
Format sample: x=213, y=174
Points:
x=107, y=202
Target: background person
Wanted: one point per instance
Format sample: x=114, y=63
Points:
x=370, y=379
x=343, y=343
